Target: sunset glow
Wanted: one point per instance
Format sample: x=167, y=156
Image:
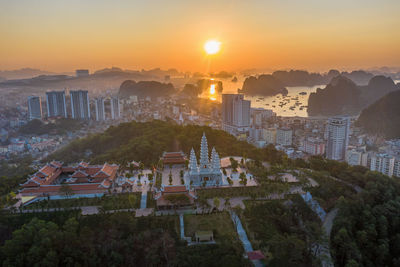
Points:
x=212, y=89
x=212, y=47
x=262, y=34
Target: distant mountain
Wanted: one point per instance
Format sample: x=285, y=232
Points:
x=340, y=96
x=343, y=96
x=265, y=84
x=382, y=117
x=145, y=88
x=23, y=73
x=359, y=77
x=302, y=78
x=273, y=84
x=222, y=75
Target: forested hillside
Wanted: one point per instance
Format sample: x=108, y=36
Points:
x=383, y=117
x=146, y=142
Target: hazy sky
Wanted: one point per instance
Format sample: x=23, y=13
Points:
x=314, y=34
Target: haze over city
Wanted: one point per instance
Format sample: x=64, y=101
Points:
x=200, y=133
x=315, y=35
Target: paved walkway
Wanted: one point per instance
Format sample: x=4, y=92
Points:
x=144, y=212
x=143, y=200
x=243, y=237
x=182, y=226
x=324, y=254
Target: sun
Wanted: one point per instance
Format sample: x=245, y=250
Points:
x=212, y=89
x=212, y=47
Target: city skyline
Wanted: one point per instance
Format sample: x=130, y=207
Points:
x=267, y=35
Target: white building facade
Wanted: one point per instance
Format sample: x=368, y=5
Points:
x=337, y=137
x=208, y=170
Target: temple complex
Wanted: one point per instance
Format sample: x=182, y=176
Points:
x=208, y=170
x=84, y=180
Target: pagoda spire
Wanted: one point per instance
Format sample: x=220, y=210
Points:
x=193, y=162
x=215, y=161
x=204, y=159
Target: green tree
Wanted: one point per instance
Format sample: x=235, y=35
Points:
x=170, y=178
x=216, y=203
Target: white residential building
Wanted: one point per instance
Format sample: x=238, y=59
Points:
x=56, y=106
x=337, y=137
x=34, y=108
x=313, y=146
x=115, y=108
x=100, y=109
x=269, y=135
x=80, y=105
x=284, y=136
x=235, y=112
x=382, y=163
x=357, y=156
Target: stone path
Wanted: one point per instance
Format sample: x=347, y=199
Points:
x=325, y=254
x=243, y=237
x=143, y=200
x=182, y=226
x=144, y=212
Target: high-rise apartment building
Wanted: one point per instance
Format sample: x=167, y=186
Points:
x=34, y=108
x=270, y=135
x=314, y=146
x=99, y=109
x=80, y=107
x=235, y=111
x=56, y=106
x=284, y=136
x=115, y=108
x=382, y=163
x=357, y=156
x=338, y=129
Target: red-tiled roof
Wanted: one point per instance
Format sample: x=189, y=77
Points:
x=173, y=154
x=79, y=174
x=175, y=189
x=55, y=189
x=92, y=170
x=173, y=158
x=83, y=164
x=108, y=169
x=47, y=170
x=68, y=169
x=255, y=255
x=56, y=164
x=44, y=180
x=106, y=183
x=31, y=183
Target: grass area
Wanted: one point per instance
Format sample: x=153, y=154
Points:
x=220, y=223
x=151, y=202
x=119, y=201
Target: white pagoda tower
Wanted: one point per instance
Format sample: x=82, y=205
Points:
x=208, y=172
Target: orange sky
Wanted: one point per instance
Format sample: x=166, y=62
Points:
x=309, y=34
